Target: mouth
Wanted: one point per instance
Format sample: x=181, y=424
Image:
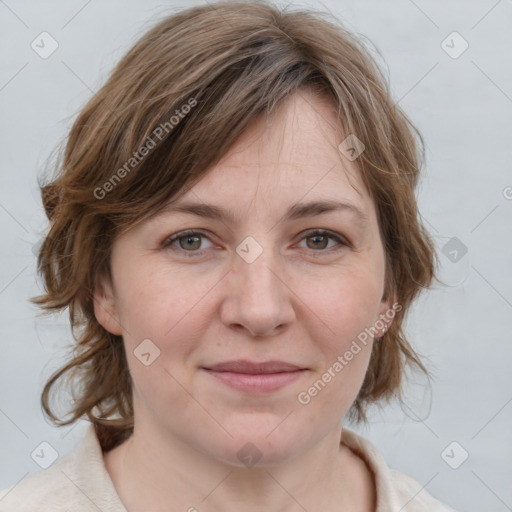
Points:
x=255, y=377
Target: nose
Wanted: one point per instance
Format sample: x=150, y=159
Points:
x=258, y=299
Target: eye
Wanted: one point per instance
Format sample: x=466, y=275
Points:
x=318, y=240
x=188, y=241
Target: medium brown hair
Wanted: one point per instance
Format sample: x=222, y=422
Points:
x=233, y=61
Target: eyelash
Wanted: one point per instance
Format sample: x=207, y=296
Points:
x=188, y=233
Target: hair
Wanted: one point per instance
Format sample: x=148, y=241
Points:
x=215, y=69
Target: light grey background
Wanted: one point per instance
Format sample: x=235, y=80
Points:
x=463, y=106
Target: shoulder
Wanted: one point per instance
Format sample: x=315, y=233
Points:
x=413, y=496
x=50, y=489
x=395, y=490
x=78, y=482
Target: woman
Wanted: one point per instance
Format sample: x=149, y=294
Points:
x=235, y=233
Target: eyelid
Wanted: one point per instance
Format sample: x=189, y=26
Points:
x=342, y=243
x=325, y=232
x=182, y=234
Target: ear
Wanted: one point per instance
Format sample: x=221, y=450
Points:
x=105, y=308
x=387, y=311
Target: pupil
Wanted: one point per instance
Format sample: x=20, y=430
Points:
x=322, y=238
x=191, y=238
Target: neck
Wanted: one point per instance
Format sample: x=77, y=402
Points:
x=156, y=471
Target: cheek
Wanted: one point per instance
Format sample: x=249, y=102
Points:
x=164, y=307
x=345, y=305
x=150, y=301
x=345, y=309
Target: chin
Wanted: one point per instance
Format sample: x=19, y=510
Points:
x=255, y=444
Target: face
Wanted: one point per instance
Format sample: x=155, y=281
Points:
x=268, y=280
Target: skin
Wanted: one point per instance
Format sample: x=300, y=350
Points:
x=303, y=300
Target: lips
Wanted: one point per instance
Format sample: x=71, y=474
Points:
x=255, y=377
x=254, y=368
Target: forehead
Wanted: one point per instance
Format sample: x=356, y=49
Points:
x=293, y=155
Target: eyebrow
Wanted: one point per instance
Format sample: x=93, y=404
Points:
x=297, y=211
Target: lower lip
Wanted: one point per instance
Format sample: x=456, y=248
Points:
x=260, y=383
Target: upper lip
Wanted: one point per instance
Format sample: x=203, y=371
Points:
x=252, y=367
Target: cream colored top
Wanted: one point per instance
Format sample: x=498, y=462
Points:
x=80, y=482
